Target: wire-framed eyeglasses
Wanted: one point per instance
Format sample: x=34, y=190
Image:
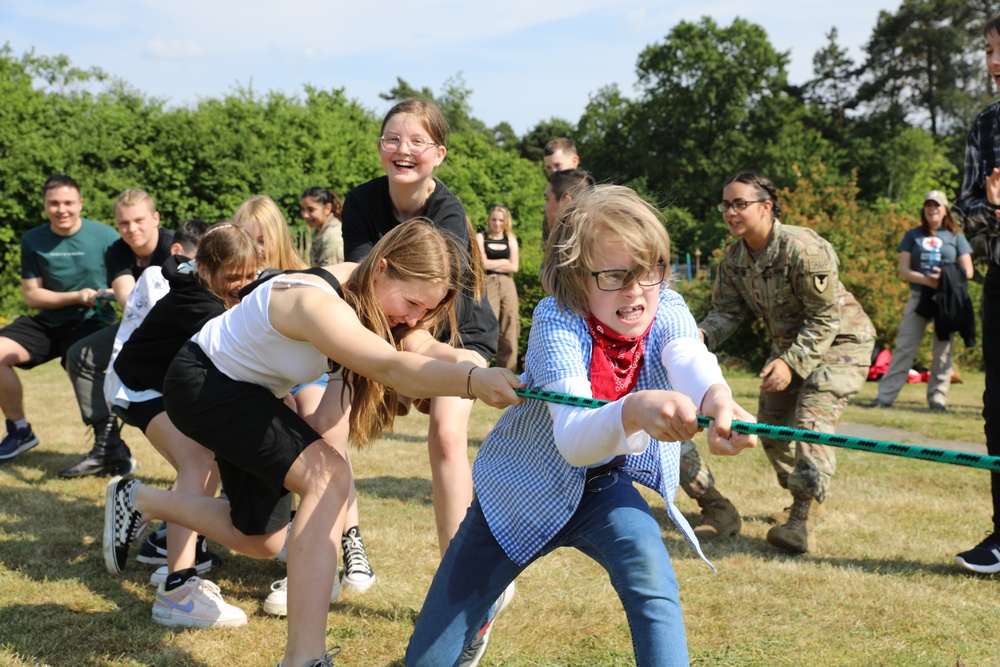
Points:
x=738, y=205
x=612, y=280
x=391, y=143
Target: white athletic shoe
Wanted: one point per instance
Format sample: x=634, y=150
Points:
x=196, y=603
x=277, y=601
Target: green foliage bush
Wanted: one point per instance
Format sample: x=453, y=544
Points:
x=675, y=144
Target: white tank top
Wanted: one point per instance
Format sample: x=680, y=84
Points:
x=244, y=345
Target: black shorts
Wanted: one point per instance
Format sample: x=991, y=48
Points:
x=140, y=413
x=44, y=340
x=254, y=435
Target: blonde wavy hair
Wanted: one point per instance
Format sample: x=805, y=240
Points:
x=279, y=249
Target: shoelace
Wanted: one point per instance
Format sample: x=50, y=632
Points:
x=129, y=530
x=281, y=585
x=210, y=589
x=355, y=556
x=325, y=661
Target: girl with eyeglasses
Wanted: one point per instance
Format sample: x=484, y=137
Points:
x=501, y=258
x=411, y=146
x=551, y=475
x=821, y=341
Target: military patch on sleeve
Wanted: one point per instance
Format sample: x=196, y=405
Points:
x=817, y=265
x=820, y=282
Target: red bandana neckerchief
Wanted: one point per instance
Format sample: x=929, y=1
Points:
x=615, y=361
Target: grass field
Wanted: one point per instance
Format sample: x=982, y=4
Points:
x=882, y=588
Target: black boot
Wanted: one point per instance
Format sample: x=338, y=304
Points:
x=110, y=455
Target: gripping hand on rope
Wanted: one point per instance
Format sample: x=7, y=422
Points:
x=672, y=416
x=991, y=463
x=718, y=404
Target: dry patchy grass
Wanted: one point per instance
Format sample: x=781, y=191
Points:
x=881, y=589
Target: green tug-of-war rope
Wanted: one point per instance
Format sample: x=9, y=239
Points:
x=787, y=433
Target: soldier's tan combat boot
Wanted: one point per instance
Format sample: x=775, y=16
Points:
x=781, y=518
x=798, y=534
x=719, y=517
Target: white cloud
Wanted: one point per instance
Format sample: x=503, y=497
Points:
x=174, y=48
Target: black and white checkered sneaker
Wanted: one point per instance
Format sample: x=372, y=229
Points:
x=122, y=522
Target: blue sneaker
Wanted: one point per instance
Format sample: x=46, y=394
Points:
x=18, y=440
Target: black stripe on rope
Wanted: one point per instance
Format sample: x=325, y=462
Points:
x=991, y=463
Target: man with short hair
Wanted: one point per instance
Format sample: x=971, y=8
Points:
x=559, y=192
x=62, y=276
x=142, y=244
x=560, y=154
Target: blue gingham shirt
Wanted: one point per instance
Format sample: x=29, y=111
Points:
x=527, y=490
x=982, y=155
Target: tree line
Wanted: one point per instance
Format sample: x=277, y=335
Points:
x=853, y=150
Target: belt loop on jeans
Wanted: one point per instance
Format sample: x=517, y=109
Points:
x=613, y=464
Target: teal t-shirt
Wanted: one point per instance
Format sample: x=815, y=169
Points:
x=69, y=263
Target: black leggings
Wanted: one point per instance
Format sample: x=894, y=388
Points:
x=991, y=360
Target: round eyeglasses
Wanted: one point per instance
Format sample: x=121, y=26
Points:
x=391, y=143
x=612, y=280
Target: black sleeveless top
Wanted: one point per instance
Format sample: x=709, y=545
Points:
x=496, y=249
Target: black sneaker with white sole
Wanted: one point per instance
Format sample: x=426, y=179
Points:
x=358, y=575
x=153, y=550
x=984, y=558
x=122, y=522
x=205, y=562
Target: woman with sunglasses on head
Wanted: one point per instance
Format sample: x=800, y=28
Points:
x=499, y=251
x=923, y=254
x=821, y=341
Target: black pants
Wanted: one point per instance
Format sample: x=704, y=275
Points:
x=991, y=360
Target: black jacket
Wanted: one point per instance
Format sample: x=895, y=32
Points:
x=146, y=355
x=950, y=305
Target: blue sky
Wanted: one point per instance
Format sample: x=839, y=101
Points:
x=524, y=60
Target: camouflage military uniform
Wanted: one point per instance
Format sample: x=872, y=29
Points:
x=327, y=244
x=696, y=477
x=816, y=326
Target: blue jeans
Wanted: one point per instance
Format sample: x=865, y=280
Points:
x=612, y=524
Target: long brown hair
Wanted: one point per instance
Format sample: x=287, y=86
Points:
x=414, y=250
x=225, y=246
x=947, y=222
